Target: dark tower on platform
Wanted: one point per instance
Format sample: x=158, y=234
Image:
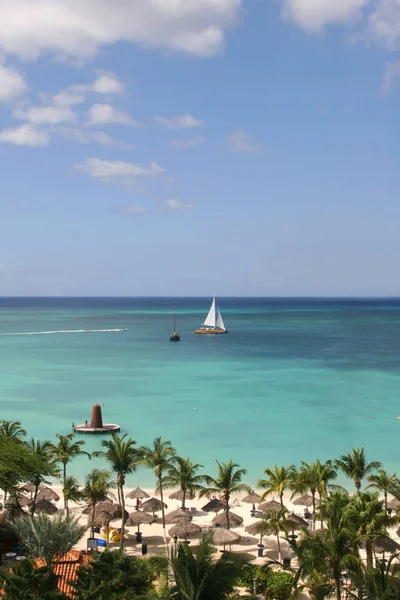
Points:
x=97, y=419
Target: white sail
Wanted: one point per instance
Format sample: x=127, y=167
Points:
x=220, y=323
x=211, y=317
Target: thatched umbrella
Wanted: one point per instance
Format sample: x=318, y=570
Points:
x=394, y=504
x=385, y=544
x=138, y=518
x=214, y=505
x=23, y=501
x=29, y=487
x=46, y=493
x=260, y=528
x=221, y=520
x=179, y=495
x=183, y=530
x=252, y=498
x=90, y=504
x=221, y=537
x=271, y=505
x=305, y=500
x=295, y=522
x=152, y=505
x=46, y=506
x=137, y=494
x=177, y=516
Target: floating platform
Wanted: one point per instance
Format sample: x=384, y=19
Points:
x=96, y=425
x=107, y=428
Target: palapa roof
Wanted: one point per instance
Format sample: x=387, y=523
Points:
x=46, y=506
x=137, y=493
x=394, y=504
x=46, y=493
x=106, y=512
x=234, y=520
x=138, y=518
x=182, y=530
x=177, y=516
x=179, y=495
x=214, y=505
x=252, y=498
x=271, y=505
x=385, y=544
x=305, y=500
x=295, y=521
x=152, y=505
x=256, y=527
x=29, y=487
x=225, y=536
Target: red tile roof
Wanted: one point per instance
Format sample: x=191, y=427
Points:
x=66, y=568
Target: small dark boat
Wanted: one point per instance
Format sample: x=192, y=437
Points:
x=174, y=337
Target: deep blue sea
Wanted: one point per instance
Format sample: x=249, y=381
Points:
x=294, y=379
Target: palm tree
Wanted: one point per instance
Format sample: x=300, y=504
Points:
x=113, y=574
x=370, y=520
x=43, y=452
x=12, y=429
x=380, y=583
x=200, y=577
x=382, y=481
x=123, y=458
x=275, y=522
x=331, y=551
x=71, y=491
x=45, y=537
x=279, y=480
x=355, y=466
x=183, y=473
x=97, y=485
x=227, y=482
x=65, y=451
x=158, y=457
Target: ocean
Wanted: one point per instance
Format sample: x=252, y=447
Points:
x=294, y=379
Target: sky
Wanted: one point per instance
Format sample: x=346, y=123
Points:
x=177, y=147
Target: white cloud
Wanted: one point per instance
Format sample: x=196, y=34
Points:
x=313, y=15
x=181, y=122
x=392, y=72
x=25, y=135
x=12, y=84
x=106, y=84
x=239, y=141
x=77, y=29
x=105, y=114
x=130, y=210
x=173, y=205
x=45, y=115
x=187, y=144
x=113, y=170
x=83, y=136
x=383, y=24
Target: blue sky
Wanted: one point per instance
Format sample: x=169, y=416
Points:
x=175, y=147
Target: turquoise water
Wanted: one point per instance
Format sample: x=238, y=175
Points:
x=293, y=380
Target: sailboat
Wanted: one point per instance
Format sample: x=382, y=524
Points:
x=174, y=337
x=213, y=322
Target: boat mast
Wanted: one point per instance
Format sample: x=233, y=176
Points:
x=174, y=319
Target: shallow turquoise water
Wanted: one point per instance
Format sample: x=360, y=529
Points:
x=293, y=380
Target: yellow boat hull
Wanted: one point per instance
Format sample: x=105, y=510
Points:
x=210, y=331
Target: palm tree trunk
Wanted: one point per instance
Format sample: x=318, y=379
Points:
x=92, y=525
x=121, y=489
x=227, y=510
x=313, y=509
x=368, y=549
x=279, y=547
x=386, y=502
x=162, y=506
x=281, y=497
x=183, y=490
x=34, y=498
x=338, y=587
x=320, y=502
x=64, y=480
